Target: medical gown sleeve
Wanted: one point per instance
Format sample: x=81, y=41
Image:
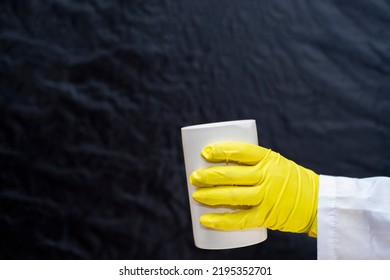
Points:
x=353, y=219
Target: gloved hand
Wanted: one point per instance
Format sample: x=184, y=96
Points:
x=282, y=195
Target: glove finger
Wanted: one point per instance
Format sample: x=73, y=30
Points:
x=233, y=221
x=234, y=152
x=225, y=175
x=227, y=195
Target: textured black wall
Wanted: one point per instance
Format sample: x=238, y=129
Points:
x=93, y=96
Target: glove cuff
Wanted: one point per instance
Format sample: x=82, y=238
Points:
x=313, y=229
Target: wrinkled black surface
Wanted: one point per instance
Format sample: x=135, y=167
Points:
x=93, y=96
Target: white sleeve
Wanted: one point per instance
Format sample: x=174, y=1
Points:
x=353, y=219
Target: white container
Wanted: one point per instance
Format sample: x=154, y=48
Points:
x=195, y=138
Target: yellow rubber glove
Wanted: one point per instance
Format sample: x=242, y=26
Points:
x=282, y=195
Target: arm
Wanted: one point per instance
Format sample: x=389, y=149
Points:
x=351, y=216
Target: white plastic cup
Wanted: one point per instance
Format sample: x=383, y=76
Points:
x=195, y=138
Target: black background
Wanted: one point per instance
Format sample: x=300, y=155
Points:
x=94, y=93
